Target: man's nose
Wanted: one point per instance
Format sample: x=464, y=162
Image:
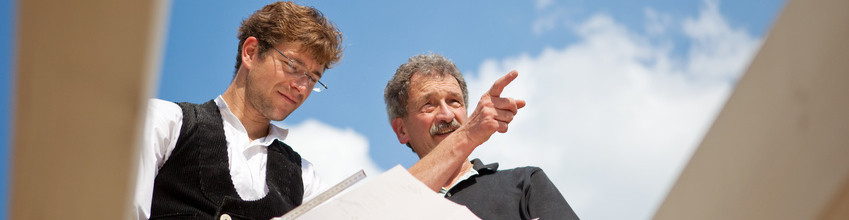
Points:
x=299, y=83
x=444, y=113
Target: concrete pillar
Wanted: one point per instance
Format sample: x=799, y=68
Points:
x=84, y=72
x=780, y=147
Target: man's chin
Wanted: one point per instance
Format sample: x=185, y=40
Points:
x=279, y=116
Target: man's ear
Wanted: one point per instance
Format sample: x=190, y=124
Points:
x=400, y=130
x=250, y=52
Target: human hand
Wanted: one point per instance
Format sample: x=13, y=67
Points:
x=493, y=113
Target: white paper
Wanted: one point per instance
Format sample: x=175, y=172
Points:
x=393, y=195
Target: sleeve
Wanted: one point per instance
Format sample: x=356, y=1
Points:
x=161, y=129
x=312, y=182
x=544, y=200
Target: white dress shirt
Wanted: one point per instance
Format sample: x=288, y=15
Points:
x=247, y=157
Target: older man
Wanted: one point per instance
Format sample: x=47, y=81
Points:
x=426, y=101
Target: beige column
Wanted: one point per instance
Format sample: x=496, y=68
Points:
x=780, y=147
x=85, y=69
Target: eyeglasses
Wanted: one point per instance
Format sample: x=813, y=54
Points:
x=295, y=68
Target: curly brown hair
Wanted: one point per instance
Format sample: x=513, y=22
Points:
x=287, y=22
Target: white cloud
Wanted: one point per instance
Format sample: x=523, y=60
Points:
x=657, y=23
x=334, y=158
x=541, y=4
x=549, y=17
x=716, y=45
x=613, y=118
x=547, y=21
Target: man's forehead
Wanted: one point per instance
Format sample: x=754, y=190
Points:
x=421, y=78
x=427, y=86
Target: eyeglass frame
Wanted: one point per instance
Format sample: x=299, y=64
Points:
x=292, y=65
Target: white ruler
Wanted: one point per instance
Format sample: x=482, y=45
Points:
x=321, y=198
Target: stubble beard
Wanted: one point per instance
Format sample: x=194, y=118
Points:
x=263, y=103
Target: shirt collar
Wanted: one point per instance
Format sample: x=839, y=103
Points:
x=480, y=167
x=274, y=132
x=469, y=174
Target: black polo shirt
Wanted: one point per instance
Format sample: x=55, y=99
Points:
x=520, y=193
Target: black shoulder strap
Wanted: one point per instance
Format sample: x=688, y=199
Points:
x=190, y=120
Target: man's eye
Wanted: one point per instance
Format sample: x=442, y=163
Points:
x=313, y=77
x=428, y=107
x=294, y=67
x=288, y=66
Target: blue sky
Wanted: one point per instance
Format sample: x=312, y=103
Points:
x=584, y=68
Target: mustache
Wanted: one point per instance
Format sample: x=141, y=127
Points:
x=443, y=127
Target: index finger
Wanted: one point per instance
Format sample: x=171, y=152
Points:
x=502, y=82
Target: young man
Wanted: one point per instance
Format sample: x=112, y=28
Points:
x=223, y=158
x=426, y=101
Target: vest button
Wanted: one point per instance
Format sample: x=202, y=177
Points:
x=225, y=217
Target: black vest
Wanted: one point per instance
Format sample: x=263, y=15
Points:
x=195, y=182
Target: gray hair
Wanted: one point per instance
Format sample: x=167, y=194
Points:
x=396, y=93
